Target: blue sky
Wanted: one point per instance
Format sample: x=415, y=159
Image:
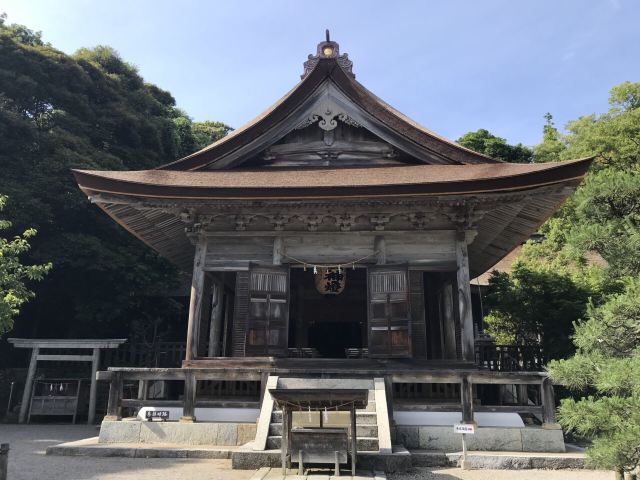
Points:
x=453, y=66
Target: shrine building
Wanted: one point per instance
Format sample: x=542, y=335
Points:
x=331, y=242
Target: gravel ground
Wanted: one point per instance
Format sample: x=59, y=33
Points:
x=27, y=461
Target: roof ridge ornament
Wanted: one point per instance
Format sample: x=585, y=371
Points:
x=328, y=49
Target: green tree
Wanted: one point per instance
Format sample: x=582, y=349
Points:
x=89, y=110
x=607, y=367
x=536, y=306
x=485, y=142
x=552, y=145
x=14, y=275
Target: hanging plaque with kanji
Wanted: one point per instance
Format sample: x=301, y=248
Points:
x=330, y=280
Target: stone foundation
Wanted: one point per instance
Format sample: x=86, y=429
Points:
x=219, y=433
x=526, y=439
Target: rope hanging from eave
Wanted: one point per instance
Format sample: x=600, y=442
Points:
x=339, y=266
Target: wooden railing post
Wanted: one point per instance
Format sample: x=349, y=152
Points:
x=114, y=410
x=548, y=404
x=189, y=406
x=466, y=398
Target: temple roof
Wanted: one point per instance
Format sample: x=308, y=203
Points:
x=332, y=183
x=331, y=145
x=329, y=76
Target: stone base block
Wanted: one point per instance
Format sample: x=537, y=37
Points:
x=527, y=439
x=228, y=434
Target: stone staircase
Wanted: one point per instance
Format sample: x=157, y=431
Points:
x=366, y=427
x=370, y=437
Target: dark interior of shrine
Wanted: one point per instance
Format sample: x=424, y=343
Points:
x=328, y=323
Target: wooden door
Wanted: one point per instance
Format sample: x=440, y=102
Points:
x=389, y=314
x=268, y=312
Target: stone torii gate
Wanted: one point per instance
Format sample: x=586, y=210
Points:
x=36, y=345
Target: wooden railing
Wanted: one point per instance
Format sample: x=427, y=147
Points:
x=510, y=358
x=466, y=379
x=155, y=355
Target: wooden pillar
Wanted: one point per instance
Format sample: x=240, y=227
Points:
x=284, y=439
x=523, y=394
x=448, y=321
x=464, y=297
x=95, y=362
x=189, y=405
x=115, y=397
x=354, y=441
x=195, y=302
x=28, y=385
x=380, y=247
x=548, y=404
x=277, y=250
x=466, y=398
x=215, y=331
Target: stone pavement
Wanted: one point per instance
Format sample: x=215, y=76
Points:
x=267, y=473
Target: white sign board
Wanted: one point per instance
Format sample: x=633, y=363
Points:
x=464, y=428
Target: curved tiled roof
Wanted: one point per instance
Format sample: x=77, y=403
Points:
x=326, y=183
x=327, y=68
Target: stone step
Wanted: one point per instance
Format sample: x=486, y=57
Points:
x=275, y=429
x=363, y=443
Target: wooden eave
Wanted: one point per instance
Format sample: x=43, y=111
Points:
x=433, y=145
x=396, y=181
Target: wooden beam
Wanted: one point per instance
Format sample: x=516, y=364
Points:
x=548, y=404
x=466, y=399
x=66, y=343
x=464, y=297
x=115, y=397
x=195, y=302
x=215, y=330
x=66, y=358
x=94, y=386
x=189, y=406
x=28, y=386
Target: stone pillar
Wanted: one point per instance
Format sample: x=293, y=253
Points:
x=195, y=303
x=464, y=297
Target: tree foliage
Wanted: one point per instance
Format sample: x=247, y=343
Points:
x=483, y=141
x=14, y=275
x=600, y=222
x=606, y=364
x=88, y=110
x=536, y=306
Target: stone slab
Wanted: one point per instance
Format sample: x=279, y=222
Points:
x=227, y=434
x=246, y=459
x=91, y=448
x=119, y=432
x=519, y=461
x=246, y=433
x=535, y=439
